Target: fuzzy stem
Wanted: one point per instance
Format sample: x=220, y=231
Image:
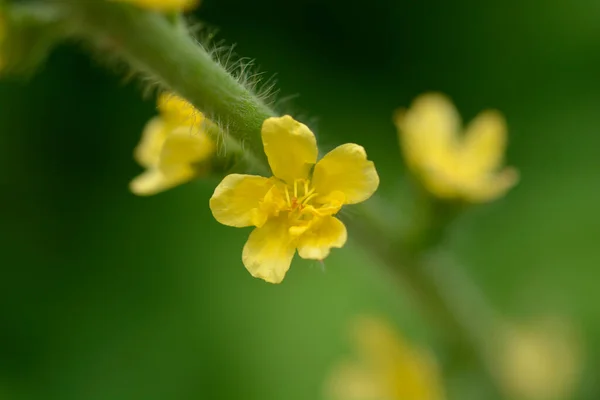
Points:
x=152, y=45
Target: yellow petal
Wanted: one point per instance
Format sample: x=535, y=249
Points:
x=270, y=206
x=185, y=146
x=484, y=143
x=290, y=146
x=328, y=205
x=269, y=250
x=178, y=111
x=318, y=240
x=241, y=200
x=428, y=131
x=154, y=181
x=347, y=170
x=492, y=187
x=164, y=5
x=147, y=152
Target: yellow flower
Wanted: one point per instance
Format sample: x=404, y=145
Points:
x=294, y=209
x=388, y=368
x=164, y=5
x=541, y=360
x=174, y=147
x=452, y=165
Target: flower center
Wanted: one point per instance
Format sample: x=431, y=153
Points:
x=300, y=196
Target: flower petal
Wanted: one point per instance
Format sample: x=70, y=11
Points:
x=242, y=200
x=147, y=152
x=316, y=243
x=492, y=187
x=290, y=146
x=346, y=169
x=428, y=130
x=154, y=181
x=269, y=251
x=484, y=143
x=186, y=146
x=178, y=111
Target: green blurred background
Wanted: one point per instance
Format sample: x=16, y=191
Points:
x=105, y=295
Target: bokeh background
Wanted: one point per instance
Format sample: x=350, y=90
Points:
x=104, y=295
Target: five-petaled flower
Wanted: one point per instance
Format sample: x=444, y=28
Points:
x=387, y=367
x=451, y=165
x=164, y=5
x=174, y=148
x=294, y=209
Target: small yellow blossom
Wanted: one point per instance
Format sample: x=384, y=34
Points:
x=541, y=360
x=452, y=165
x=174, y=147
x=388, y=368
x=294, y=209
x=164, y=5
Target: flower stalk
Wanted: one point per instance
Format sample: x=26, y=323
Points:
x=153, y=46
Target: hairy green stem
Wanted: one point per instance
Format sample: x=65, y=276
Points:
x=152, y=45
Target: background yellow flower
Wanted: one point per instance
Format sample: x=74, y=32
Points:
x=452, y=164
x=174, y=147
x=388, y=367
x=540, y=359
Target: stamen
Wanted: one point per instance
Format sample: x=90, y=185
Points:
x=296, y=188
x=309, y=197
x=287, y=197
x=306, y=188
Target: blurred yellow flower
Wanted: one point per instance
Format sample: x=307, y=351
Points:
x=164, y=5
x=452, y=165
x=388, y=368
x=541, y=360
x=174, y=147
x=294, y=209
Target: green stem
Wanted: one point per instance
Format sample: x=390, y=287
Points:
x=155, y=47
x=445, y=295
